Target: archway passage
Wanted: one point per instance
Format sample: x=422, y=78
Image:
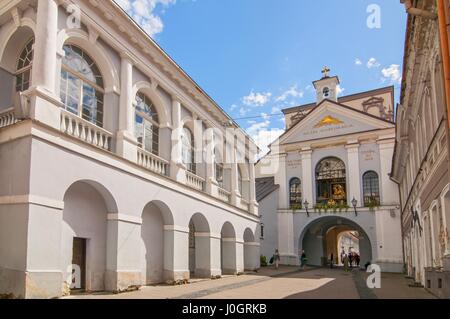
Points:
x=330, y=235
x=251, y=251
x=199, y=247
x=84, y=233
x=155, y=216
x=228, y=250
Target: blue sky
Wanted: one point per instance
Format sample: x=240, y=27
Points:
x=255, y=57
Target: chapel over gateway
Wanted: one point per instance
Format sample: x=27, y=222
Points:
x=325, y=185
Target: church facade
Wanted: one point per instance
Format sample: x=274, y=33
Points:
x=116, y=169
x=325, y=185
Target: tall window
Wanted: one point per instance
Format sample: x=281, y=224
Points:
x=295, y=192
x=240, y=182
x=146, y=124
x=218, y=163
x=188, y=150
x=82, y=85
x=331, y=182
x=371, y=188
x=23, y=70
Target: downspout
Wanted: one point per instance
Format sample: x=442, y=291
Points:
x=446, y=65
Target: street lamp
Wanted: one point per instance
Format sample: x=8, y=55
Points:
x=354, y=203
x=306, y=207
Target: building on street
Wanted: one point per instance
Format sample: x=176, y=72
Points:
x=420, y=164
x=112, y=165
x=332, y=167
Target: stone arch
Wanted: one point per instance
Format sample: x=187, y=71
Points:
x=156, y=246
x=199, y=246
x=14, y=39
x=313, y=239
x=80, y=38
x=84, y=233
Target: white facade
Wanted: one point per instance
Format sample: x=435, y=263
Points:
x=96, y=149
x=421, y=162
x=356, y=135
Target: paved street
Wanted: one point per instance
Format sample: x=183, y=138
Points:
x=285, y=283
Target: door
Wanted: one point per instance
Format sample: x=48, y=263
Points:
x=79, y=258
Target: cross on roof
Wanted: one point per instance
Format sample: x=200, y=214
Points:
x=325, y=71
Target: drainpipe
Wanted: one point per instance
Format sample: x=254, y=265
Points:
x=418, y=12
x=446, y=63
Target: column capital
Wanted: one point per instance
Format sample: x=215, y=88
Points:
x=125, y=56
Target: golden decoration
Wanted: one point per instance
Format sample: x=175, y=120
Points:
x=328, y=120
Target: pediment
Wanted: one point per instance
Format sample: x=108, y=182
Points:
x=330, y=119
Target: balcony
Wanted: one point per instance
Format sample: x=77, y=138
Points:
x=224, y=195
x=7, y=117
x=88, y=132
x=152, y=162
x=195, y=181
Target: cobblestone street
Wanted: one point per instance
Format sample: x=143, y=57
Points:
x=285, y=283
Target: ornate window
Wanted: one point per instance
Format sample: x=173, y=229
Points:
x=371, y=188
x=218, y=163
x=187, y=140
x=23, y=70
x=146, y=124
x=81, y=85
x=295, y=193
x=331, y=182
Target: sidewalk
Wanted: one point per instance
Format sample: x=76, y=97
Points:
x=197, y=287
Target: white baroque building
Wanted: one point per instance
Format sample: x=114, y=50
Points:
x=111, y=158
x=328, y=176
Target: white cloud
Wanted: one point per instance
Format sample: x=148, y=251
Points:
x=143, y=12
x=243, y=111
x=291, y=92
x=392, y=73
x=339, y=90
x=276, y=110
x=263, y=135
x=373, y=63
x=358, y=62
x=256, y=99
x=233, y=107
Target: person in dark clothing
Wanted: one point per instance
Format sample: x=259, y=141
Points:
x=350, y=259
x=331, y=260
x=357, y=260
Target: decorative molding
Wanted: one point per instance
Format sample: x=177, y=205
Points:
x=33, y=200
x=124, y=218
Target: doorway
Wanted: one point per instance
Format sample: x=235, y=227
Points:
x=79, y=259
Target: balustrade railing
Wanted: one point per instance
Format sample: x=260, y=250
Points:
x=86, y=131
x=7, y=117
x=153, y=162
x=195, y=181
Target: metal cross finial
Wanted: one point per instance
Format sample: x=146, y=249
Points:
x=325, y=71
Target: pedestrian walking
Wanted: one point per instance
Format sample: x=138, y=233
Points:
x=276, y=258
x=357, y=260
x=350, y=259
x=331, y=260
x=346, y=261
x=303, y=260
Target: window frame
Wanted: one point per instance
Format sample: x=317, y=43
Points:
x=371, y=184
x=146, y=118
x=82, y=81
x=293, y=203
x=26, y=68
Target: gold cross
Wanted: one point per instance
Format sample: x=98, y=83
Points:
x=325, y=71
